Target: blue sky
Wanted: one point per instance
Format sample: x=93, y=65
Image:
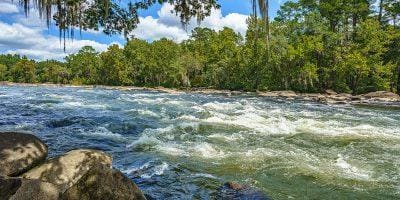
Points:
x=31, y=37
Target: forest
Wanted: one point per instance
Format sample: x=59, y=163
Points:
x=348, y=46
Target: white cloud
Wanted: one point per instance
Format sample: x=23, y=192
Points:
x=17, y=38
x=27, y=36
x=168, y=25
x=151, y=29
x=7, y=8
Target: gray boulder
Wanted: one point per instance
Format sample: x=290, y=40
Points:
x=102, y=183
x=20, y=152
x=25, y=189
x=66, y=170
x=8, y=186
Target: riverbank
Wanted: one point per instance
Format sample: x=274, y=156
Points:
x=376, y=99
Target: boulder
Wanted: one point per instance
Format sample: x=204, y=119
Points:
x=25, y=189
x=238, y=191
x=338, y=98
x=345, y=95
x=286, y=93
x=103, y=183
x=382, y=95
x=8, y=186
x=20, y=152
x=36, y=190
x=330, y=92
x=66, y=170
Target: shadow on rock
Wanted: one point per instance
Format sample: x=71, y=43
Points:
x=19, y=152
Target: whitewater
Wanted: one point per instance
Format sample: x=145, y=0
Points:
x=186, y=145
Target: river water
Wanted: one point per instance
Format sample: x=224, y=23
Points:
x=185, y=146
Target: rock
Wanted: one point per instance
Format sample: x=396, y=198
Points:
x=102, y=183
x=287, y=94
x=345, y=95
x=338, y=98
x=36, y=190
x=268, y=94
x=382, y=94
x=237, y=191
x=8, y=186
x=357, y=98
x=26, y=189
x=330, y=92
x=66, y=170
x=20, y=152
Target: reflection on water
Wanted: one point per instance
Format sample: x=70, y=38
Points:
x=186, y=145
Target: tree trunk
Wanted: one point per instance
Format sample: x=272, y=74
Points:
x=398, y=80
x=380, y=11
x=267, y=28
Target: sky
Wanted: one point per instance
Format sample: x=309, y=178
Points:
x=31, y=37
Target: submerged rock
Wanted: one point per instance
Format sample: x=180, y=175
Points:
x=20, y=152
x=236, y=191
x=102, y=183
x=66, y=170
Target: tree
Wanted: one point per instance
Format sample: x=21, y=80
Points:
x=113, y=69
x=110, y=15
x=137, y=53
x=24, y=71
x=163, y=53
x=3, y=72
x=52, y=71
x=85, y=65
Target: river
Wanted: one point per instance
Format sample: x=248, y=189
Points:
x=185, y=146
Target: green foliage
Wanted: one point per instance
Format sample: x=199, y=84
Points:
x=3, y=72
x=24, y=71
x=112, y=16
x=85, y=66
x=348, y=46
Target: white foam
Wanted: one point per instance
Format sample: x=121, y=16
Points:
x=222, y=106
x=144, y=140
x=157, y=171
x=206, y=150
x=102, y=132
x=74, y=104
x=148, y=113
x=350, y=170
x=134, y=169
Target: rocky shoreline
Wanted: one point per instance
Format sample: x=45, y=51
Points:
x=81, y=174
x=375, y=99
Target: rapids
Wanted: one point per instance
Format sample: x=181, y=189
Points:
x=185, y=146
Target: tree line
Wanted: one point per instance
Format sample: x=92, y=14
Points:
x=349, y=46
